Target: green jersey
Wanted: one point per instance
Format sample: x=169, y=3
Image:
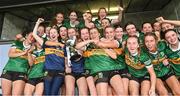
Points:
x=97, y=23
x=68, y=25
x=81, y=25
x=37, y=68
x=99, y=27
x=137, y=65
x=20, y=63
x=99, y=60
x=157, y=60
x=120, y=58
x=174, y=58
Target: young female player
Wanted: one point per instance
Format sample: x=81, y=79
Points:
x=14, y=73
x=54, y=61
x=35, y=84
x=156, y=51
x=140, y=68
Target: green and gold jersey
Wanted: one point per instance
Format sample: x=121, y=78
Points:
x=88, y=47
x=18, y=64
x=98, y=60
x=120, y=57
x=174, y=58
x=137, y=65
x=36, y=70
x=157, y=60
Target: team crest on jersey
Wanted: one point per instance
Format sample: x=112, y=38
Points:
x=46, y=73
x=87, y=72
x=100, y=75
x=136, y=65
x=161, y=54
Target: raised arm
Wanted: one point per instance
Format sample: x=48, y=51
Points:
x=174, y=22
x=38, y=39
x=118, y=20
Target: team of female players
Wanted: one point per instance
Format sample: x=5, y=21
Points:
x=95, y=58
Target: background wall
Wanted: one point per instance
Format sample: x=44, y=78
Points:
x=172, y=10
x=12, y=25
x=139, y=17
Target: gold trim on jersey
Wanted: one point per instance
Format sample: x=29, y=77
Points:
x=156, y=62
x=175, y=61
x=89, y=53
x=39, y=59
x=118, y=51
x=54, y=51
x=133, y=64
x=23, y=56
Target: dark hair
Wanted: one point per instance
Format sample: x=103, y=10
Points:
x=94, y=28
x=108, y=27
x=54, y=21
x=83, y=29
x=42, y=25
x=129, y=23
x=134, y=37
x=137, y=41
x=151, y=34
x=106, y=19
x=146, y=23
x=89, y=13
x=117, y=26
x=169, y=30
x=59, y=13
x=99, y=11
x=72, y=12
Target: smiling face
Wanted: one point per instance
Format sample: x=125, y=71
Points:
x=132, y=45
x=150, y=43
x=102, y=13
x=157, y=26
x=73, y=16
x=118, y=33
x=109, y=33
x=147, y=28
x=94, y=34
x=41, y=30
x=71, y=32
x=84, y=34
x=53, y=34
x=59, y=18
x=63, y=32
x=166, y=26
x=131, y=30
x=89, y=16
x=171, y=37
x=105, y=23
